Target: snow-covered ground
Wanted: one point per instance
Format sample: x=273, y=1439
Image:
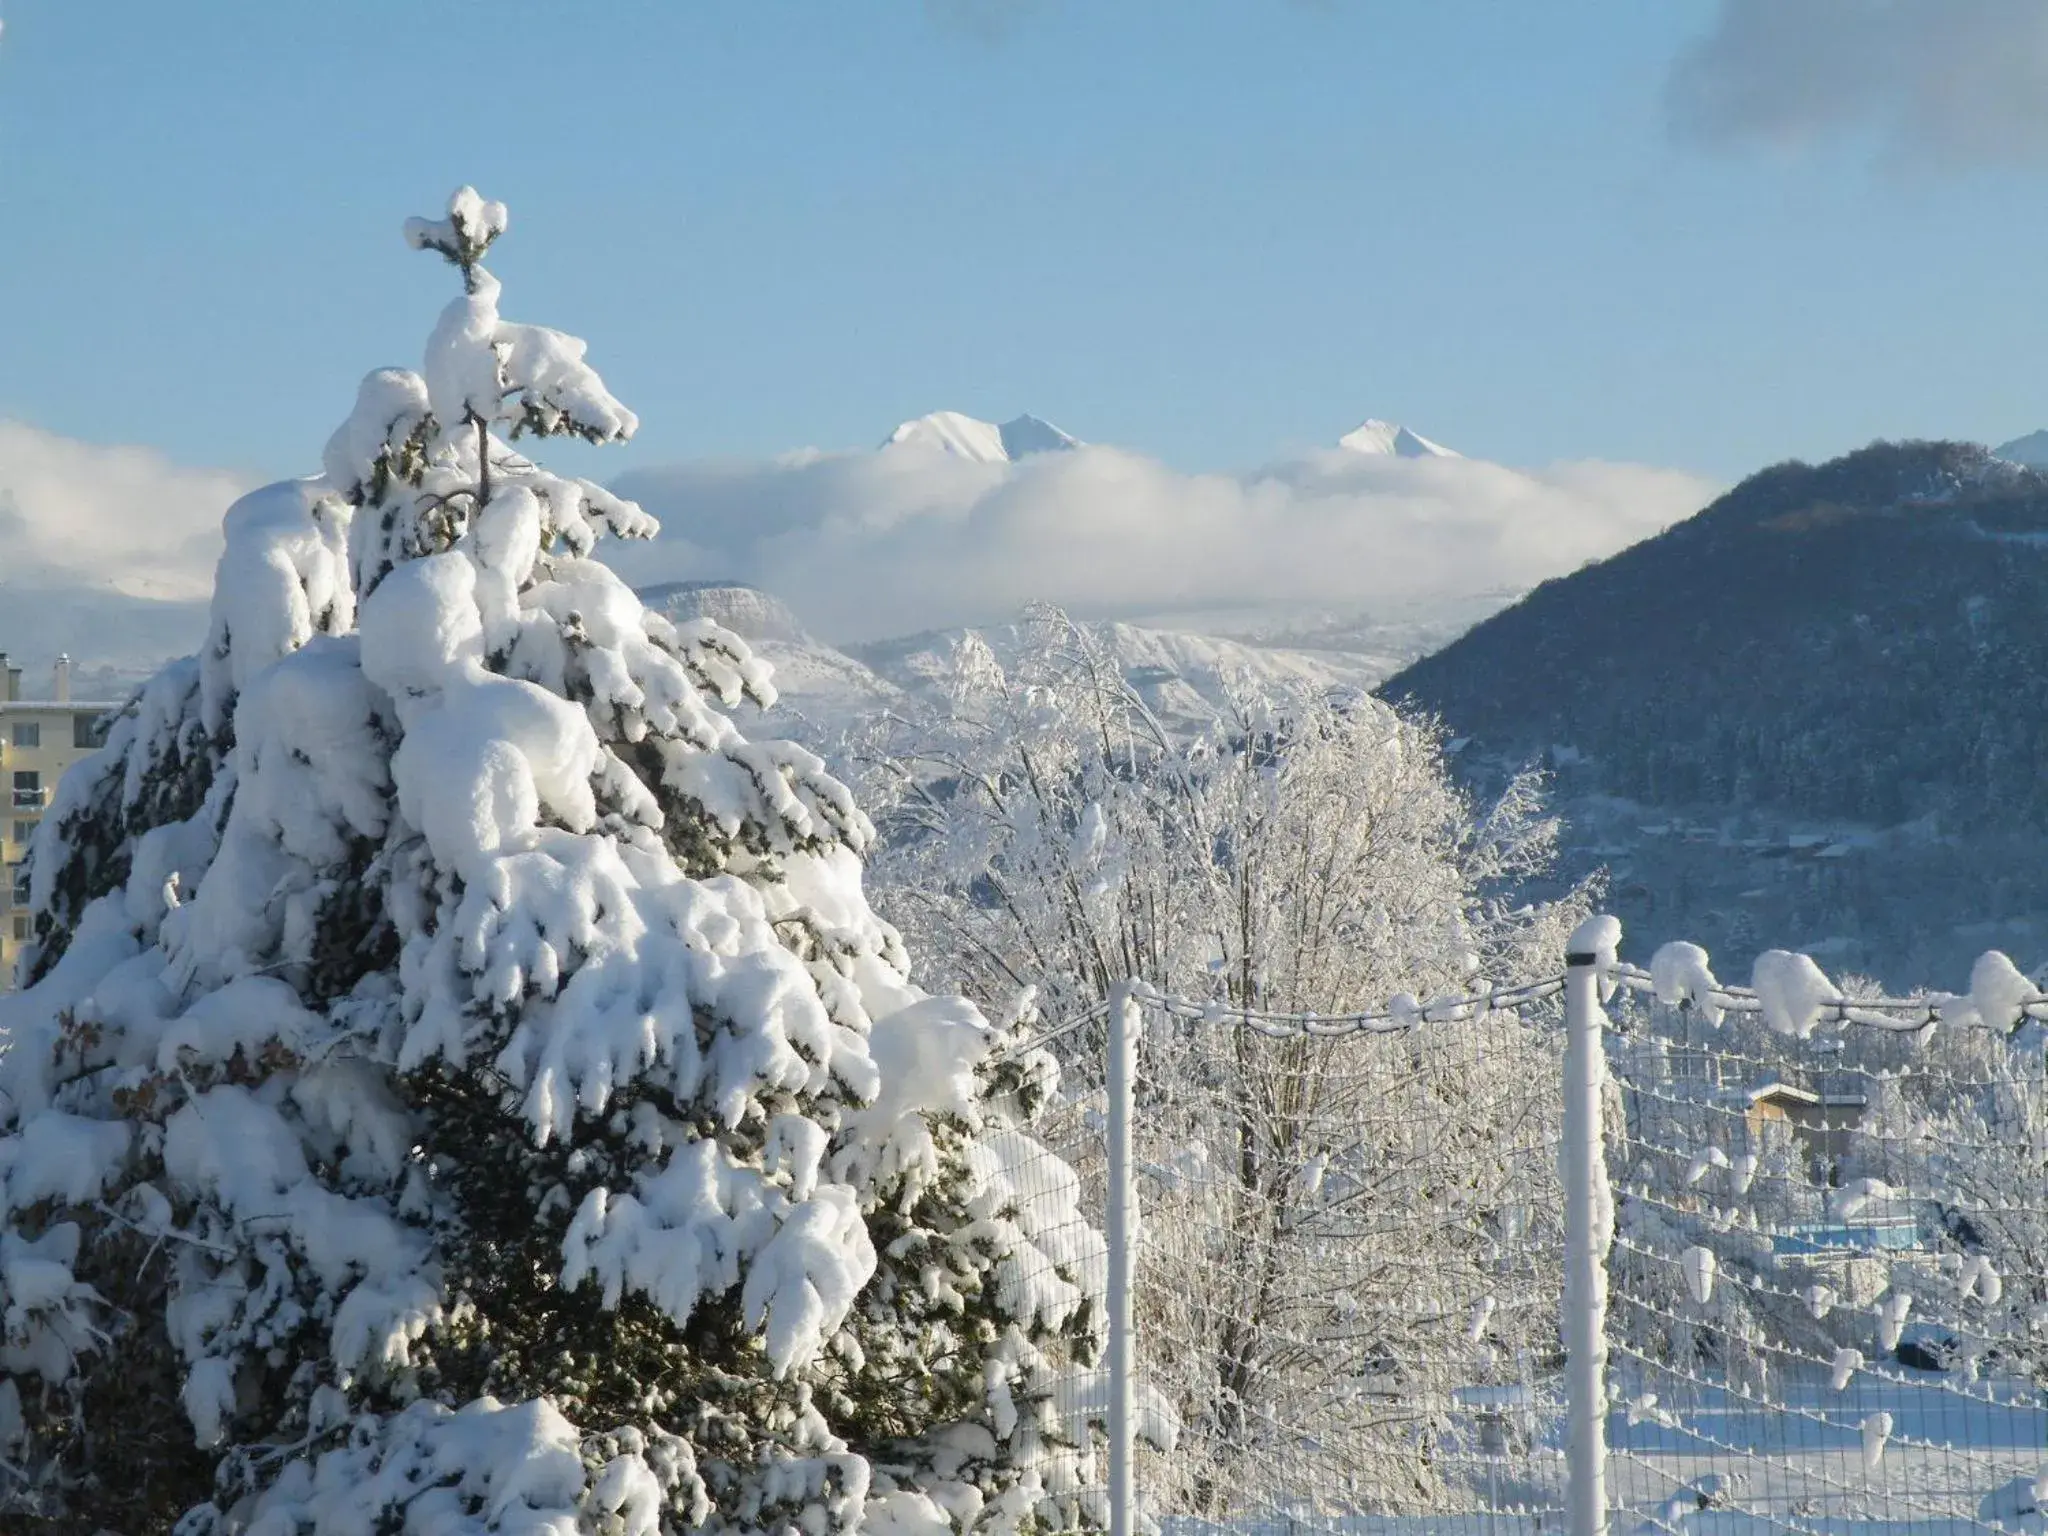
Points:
x=1798, y=1462
x=1732, y=1465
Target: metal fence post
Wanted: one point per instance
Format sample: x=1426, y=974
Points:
x=1588, y=1228
x=1123, y=1052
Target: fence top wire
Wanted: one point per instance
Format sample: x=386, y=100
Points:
x=1897, y=1015
x=1697, y=992
x=1399, y=1014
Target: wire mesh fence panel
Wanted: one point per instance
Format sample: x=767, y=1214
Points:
x=1345, y=1268
x=1827, y=1276
x=1827, y=1286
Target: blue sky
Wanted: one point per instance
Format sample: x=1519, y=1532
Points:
x=1211, y=230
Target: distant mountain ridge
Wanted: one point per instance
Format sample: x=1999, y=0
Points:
x=2031, y=450
x=1861, y=638
x=986, y=442
x=1184, y=678
x=1850, y=656
x=116, y=639
x=748, y=612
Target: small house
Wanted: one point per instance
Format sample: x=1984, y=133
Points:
x=1819, y=1118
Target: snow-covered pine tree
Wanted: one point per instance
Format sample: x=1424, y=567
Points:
x=460, y=1085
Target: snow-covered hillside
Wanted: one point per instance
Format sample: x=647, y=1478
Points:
x=1831, y=746
x=825, y=690
x=984, y=442
x=1183, y=677
x=1387, y=634
x=1375, y=436
x=820, y=691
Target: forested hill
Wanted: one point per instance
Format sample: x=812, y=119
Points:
x=1864, y=639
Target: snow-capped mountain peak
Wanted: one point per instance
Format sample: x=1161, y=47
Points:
x=951, y=432
x=983, y=442
x=1376, y=436
x=1034, y=434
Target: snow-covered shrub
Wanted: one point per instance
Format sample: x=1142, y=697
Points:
x=460, y=1085
x=1325, y=1218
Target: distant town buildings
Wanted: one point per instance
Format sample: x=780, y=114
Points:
x=39, y=739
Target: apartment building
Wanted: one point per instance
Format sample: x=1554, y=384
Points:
x=39, y=739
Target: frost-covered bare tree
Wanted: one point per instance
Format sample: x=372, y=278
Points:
x=1962, y=1134
x=1988, y=1159
x=1339, y=1231
x=459, y=1083
x=1043, y=828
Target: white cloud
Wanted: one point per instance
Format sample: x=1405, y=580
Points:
x=1959, y=82
x=106, y=553
x=122, y=519
x=870, y=545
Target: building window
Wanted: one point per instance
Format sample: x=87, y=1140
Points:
x=21, y=934
x=28, y=733
x=28, y=789
x=24, y=831
x=86, y=732
x=17, y=878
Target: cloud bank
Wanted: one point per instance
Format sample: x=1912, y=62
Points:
x=126, y=520
x=870, y=545
x=1949, y=82
x=106, y=553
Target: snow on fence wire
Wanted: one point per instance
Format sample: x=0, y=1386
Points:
x=1811, y=1238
